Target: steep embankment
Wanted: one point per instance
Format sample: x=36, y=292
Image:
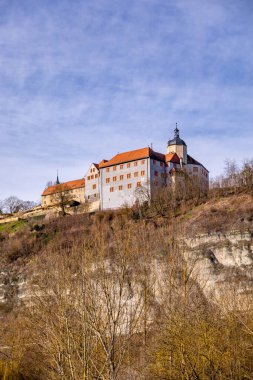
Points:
x=218, y=242
x=216, y=239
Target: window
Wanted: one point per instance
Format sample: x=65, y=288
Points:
x=96, y=175
x=120, y=187
x=129, y=175
x=136, y=174
x=107, y=169
x=155, y=173
x=91, y=170
x=114, y=179
x=142, y=162
x=88, y=197
x=195, y=169
x=161, y=164
x=121, y=177
x=138, y=184
x=129, y=165
x=92, y=176
x=107, y=180
x=95, y=195
x=114, y=168
x=142, y=173
x=121, y=166
x=135, y=163
x=129, y=186
x=88, y=178
x=111, y=189
x=94, y=187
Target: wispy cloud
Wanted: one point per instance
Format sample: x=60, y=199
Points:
x=82, y=80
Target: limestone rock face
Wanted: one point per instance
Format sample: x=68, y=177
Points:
x=221, y=261
x=9, y=289
x=14, y=288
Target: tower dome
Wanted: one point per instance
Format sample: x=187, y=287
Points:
x=178, y=146
x=176, y=140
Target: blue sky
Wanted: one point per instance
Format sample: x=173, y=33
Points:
x=81, y=80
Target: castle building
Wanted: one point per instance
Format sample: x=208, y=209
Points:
x=73, y=191
x=126, y=172
x=117, y=182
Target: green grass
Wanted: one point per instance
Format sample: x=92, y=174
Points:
x=13, y=226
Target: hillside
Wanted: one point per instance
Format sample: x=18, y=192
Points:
x=24, y=241
x=195, y=258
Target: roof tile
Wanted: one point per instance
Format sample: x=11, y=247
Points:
x=133, y=155
x=70, y=185
x=172, y=157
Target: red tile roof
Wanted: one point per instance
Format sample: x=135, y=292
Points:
x=70, y=185
x=102, y=162
x=172, y=157
x=133, y=155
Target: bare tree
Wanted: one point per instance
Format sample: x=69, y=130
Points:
x=62, y=199
x=14, y=204
x=231, y=173
x=87, y=307
x=246, y=175
x=48, y=184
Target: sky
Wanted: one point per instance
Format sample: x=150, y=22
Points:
x=82, y=80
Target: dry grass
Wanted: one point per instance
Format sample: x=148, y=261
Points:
x=221, y=215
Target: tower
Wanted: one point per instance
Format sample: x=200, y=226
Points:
x=178, y=146
x=57, y=179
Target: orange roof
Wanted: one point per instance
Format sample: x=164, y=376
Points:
x=102, y=162
x=70, y=185
x=133, y=155
x=172, y=157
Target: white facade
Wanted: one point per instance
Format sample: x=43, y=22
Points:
x=92, y=192
x=118, y=183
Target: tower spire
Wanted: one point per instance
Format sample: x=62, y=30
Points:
x=176, y=131
x=57, y=179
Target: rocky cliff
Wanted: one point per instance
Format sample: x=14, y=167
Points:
x=221, y=262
